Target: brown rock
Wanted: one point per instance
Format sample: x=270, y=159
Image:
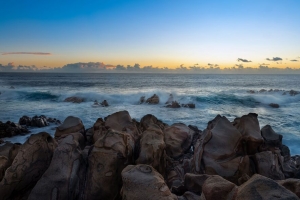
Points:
x=8, y=152
x=189, y=105
x=64, y=179
x=144, y=182
x=104, y=103
x=291, y=184
x=28, y=166
x=260, y=187
x=174, y=104
x=248, y=126
x=121, y=121
x=107, y=159
x=153, y=100
x=178, y=139
x=271, y=137
x=148, y=120
x=194, y=182
x=10, y=129
x=152, y=148
x=70, y=125
x=99, y=129
x=74, y=99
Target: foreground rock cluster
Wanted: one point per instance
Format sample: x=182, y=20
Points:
x=121, y=158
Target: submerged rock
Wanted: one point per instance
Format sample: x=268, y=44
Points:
x=173, y=104
x=104, y=103
x=74, y=99
x=274, y=105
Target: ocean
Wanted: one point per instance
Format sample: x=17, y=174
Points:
x=227, y=95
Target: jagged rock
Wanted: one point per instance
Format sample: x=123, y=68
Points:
x=142, y=99
x=30, y=163
x=274, y=105
x=152, y=148
x=153, y=100
x=64, y=179
x=268, y=164
x=70, y=125
x=40, y=121
x=74, y=99
x=251, y=91
x=271, y=137
x=218, y=151
x=10, y=129
x=174, y=104
x=144, y=182
x=149, y=119
x=260, y=187
x=293, y=92
x=109, y=156
x=104, y=103
x=25, y=120
x=121, y=121
x=170, y=99
x=8, y=152
x=178, y=139
x=248, y=126
x=291, y=184
x=99, y=129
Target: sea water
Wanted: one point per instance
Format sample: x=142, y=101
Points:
x=227, y=95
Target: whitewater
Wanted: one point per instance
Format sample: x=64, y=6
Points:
x=228, y=95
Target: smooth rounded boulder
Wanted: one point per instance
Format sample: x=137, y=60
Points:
x=70, y=125
x=64, y=179
x=144, y=182
x=30, y=163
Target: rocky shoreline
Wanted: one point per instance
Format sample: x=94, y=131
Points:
x=121, y=158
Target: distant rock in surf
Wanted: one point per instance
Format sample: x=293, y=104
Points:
x=274, y=105
x=153, y=100
x=174, y=104
x=170, y=99
x=104, y=103
x=188, y=105
x=37, y=121
x=12, y=87
x=10, y=129
x=74, y=99
x=142, y=99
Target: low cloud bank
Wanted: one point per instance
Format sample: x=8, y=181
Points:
x=99, y=67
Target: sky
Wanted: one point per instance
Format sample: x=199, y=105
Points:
x=158, y=33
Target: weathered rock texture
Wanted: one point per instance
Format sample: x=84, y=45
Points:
x=70, y=125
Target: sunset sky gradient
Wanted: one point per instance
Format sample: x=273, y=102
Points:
x=161, y=33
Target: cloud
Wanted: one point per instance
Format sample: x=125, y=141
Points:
x=31, y=53
x=243, y=60
x=294, y=60
x=274, y=59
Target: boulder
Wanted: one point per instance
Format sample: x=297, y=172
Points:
x=188, y=105
x=152, y=148
x=269, y=164
x=30, y=163
x=8, y=152
x=109, y=156
x=70, y=125
x=144, y=182
x=121, y=121
x=39, y=121
x=219, y=151
x=194, y=182
x=291, y=184
x=104, y=103
x=189, y=196
x=142, y=99
x=25, y=120
x=271, y=137
x=248, y=126
x=148, y=120
x=99, y=129
x=274, y=105
x=74, y=99
x=10, y=129
x=153, y=100
x=178, y=139
x=260, y=187
x=216, y=187
x=64, y=179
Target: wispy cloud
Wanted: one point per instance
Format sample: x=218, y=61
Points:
x=31, y=53
x=294, y=60
x=243, y=60
x=274, y=59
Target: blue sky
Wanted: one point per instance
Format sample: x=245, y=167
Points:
x=150, y=32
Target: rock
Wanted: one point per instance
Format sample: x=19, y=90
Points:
x=30, y=163
x=251, y=91
x=64, y=179
x=194, y=182
x=121, y=121
x=25, y=120
x=293, y=92
x=70, y=125
x=268, y=164
x=219, y=151
x=104, y=103
x=189, y=105
x=262, y=90
x=144, y=182
x=74, y=99
x=152, y=148
x=8, y=152
x=271, y=137
x=10, y=129
x=142, y=99
x=178, y=139
x=170, y=99
x=109, y=156
x=285, y=152
x=292, y=185
x=153, y=100
x=260, y=187
x=99, y=129
x=11, y=87
x=216, y=187
x=40, y=121
x=149, y=119
x=248, y=126
x=274, y=105
x=189, y=196
x=174, y=104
